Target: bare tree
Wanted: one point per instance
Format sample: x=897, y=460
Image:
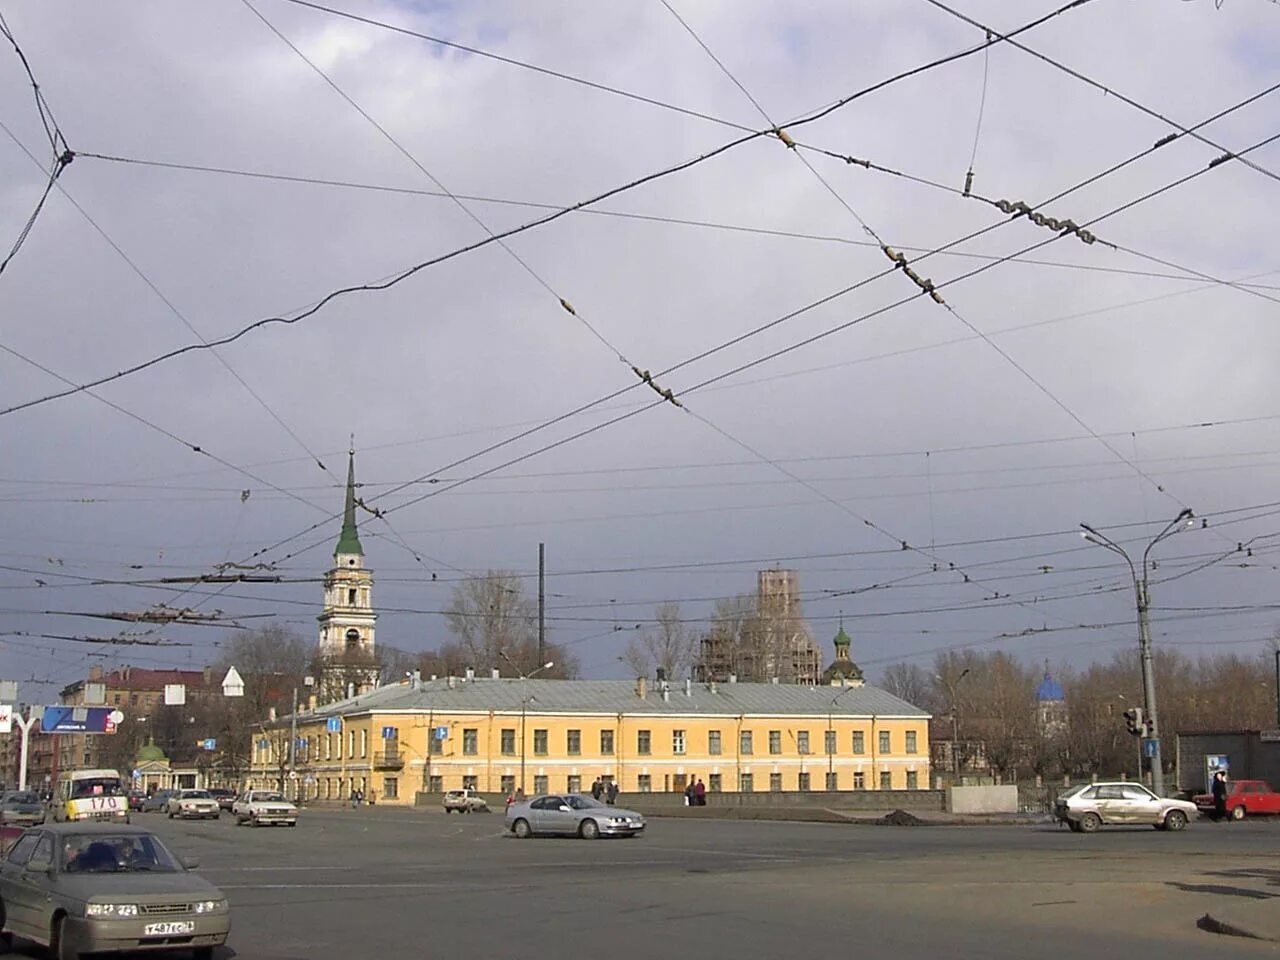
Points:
x=668, y=647
x=912, y=683
x=496, y=626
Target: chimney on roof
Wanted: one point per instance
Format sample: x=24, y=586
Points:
x=351, y=690
x=435, y=676
x=311, y=703
x=642, y=686
x=688, y=687
x=774, y=681
x=124, y=673
x=471, y=673
x=662, y=675
x=713, y=687
x=495, y=674
x=733, y=678
x=271, y=713
x=452, y=681
x=415, y=679
x=207, y=673
x=95, y=673
x=666, y=694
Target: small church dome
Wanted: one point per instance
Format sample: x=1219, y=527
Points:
x=1049, y=691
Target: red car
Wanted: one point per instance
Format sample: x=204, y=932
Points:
x=1244, y=797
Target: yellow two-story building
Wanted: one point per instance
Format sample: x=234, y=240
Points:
x=499, y=735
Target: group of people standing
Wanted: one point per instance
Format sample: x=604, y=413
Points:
x=695, y=794
x=606, y=791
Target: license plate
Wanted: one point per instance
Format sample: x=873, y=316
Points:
x=169, y=928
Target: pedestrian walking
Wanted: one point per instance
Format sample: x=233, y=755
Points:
x=1220, y=795
x=611, y=792
x=700, y=793
x=688, y=793
x=597, y=788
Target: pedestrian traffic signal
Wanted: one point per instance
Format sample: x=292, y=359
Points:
x=1133, y=720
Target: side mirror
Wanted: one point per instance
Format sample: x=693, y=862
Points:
x=39, y=866
x=190, y=862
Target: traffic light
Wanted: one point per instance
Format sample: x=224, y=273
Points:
x=1133, y=720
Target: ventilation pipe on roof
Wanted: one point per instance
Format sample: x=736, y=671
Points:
x=666, y=694
x=713, y=687
x=471, y=674
x=351, y=690
x=774, y=681
x=641, y=687
x=435, y=676
x=733, y=678
x=451, y=681
x=415, y=679
x=688, y=687
x=496, y=674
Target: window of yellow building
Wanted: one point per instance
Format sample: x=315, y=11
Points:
x=714, y=783
x=744, y=742
x=775, y=741
x=804, y=782
x=644, y=783
x=351, y=744
x=469, y=782
x=911, y=741
x=540, y=748
x=508, y=741
x=390, y=788
x=470, y=741
x=714, y=747
x=573, y=783
x=859, y=780
x=829, y=742
x=573, y=745
x=540, y=783
x=859, y=742
x=802, y=741
x=508, y=784
x=886, y=780
x=606, y=743
x=913, y=781
x=364, y=743
x=746, y=783
x=677, y=741
x=644, y=742
x=884, y=741
x=833, y=780
x=775, y=782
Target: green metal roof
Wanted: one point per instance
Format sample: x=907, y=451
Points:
x=349, y=539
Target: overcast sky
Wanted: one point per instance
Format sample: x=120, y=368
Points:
x=1079, y=382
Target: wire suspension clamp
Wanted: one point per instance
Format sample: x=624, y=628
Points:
x=647, y=377
x=1018, y=208
x=924, y=283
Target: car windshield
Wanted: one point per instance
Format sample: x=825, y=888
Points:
x=196, y=795
x=21, y=798
x=95, y=787
x=268, y=798
x=110, y=853
x=582, y=803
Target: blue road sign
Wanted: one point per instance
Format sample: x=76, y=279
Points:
x=333, y=724
x=441, y=733
x=389, y=733
x=211, y=744
x=1149, y=745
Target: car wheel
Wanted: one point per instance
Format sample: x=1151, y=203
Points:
x=588, y=830
x=170, y=814
x=522, y=829
x=61, y=944
x=1238, y=813
x=1090, y=822
x=1175, y=820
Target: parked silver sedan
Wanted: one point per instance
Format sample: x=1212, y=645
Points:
x=1085, y=809
x=571, y=814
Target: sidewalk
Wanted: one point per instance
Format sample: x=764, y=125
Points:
x=903, y=818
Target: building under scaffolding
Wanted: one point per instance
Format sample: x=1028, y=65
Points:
x=767, y=640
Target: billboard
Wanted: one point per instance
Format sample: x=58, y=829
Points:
x=60, y=719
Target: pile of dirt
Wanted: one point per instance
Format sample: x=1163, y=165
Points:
x=900, y=818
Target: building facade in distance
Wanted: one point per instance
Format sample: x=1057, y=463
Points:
x=496, y=734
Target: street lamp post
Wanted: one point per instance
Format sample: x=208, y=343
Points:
x=955, y=716
x=1143, y=595
x=293, y=738
x=524, y=706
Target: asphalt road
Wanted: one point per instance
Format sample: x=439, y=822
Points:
x=389, y=884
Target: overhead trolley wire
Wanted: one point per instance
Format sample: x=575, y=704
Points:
x=537, y=222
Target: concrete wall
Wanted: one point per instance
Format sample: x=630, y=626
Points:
x=657, y=803
x=1251, y=757
x=995, y=799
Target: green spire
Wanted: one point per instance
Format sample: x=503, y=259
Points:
x=349, y=540
x=842, y=642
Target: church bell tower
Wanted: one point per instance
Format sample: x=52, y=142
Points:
x=347, y=661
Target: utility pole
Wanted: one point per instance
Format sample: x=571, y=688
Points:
x=1143, y=594
x=25, y=724
x=1278, y=687
x=293, y=745
x=542, y=604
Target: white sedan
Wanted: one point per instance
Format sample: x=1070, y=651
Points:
x=192, y=804
x=264, y=808
x=1085, y=809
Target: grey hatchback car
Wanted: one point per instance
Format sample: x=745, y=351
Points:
x=95, y=887
x=571, y=814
